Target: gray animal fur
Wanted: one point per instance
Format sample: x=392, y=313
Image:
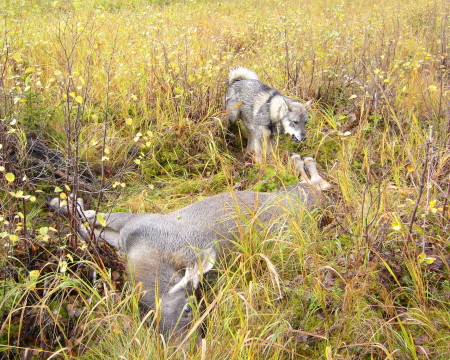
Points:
x=264, y=111
x=169, y=253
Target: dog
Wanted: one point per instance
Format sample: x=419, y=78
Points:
x=264, y=111
x=169, y=254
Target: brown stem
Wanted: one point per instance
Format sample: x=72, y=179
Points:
x=422, y=184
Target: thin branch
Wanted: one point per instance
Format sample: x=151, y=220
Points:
x=422, y=184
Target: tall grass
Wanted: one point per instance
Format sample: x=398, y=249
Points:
x=123, y=100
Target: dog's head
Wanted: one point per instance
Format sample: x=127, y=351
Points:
x=294, y=121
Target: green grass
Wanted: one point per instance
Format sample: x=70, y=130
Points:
x=130, y=93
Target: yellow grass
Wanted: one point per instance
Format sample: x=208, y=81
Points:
x=134, y=91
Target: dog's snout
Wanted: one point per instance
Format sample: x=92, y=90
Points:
x=297, y=140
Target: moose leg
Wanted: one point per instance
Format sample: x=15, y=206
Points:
x=299, y=165
x=315, y=178
x=108, y=232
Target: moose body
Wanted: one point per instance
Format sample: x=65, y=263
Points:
x=169, y=253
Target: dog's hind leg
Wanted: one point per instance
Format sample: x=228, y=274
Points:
x=233, y=110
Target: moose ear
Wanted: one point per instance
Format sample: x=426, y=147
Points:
x=308, y=104
x=208, y=257
x=193, y=275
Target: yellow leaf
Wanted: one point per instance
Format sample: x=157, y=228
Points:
x=129, y=121
x=10, y=177
x=424, y=258
x=43, y=230
x=101, y=219
x=191, y=78
x=63, y=196
x=396, y=225
x=17, y=57
x=352, y=97
x=137, y=161
x=30, y=70
x=34, y=274
x=62, y=266
x=410, y=168
x=79, y=99
x=117, y=331
x=13, y=237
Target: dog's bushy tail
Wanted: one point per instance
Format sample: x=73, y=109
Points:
x=241, y=73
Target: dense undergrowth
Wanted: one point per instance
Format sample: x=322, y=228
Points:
x=121, y=102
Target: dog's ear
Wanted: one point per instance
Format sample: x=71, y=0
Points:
x=279, y=108
x=308, y=104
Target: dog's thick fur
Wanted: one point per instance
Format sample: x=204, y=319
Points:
x=169, y=253
x=263, y=110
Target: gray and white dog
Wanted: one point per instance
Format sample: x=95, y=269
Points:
x=170, y=253
x=264, y=111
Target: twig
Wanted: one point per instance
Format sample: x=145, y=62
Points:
x=69, y=178
x=444, y=206
x=422, y=184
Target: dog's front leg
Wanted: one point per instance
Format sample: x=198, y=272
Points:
x=260, y=144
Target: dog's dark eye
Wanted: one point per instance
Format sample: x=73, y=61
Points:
x=187, y=309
